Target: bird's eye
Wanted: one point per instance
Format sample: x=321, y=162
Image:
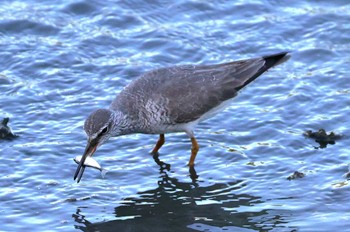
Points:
x=104, y=131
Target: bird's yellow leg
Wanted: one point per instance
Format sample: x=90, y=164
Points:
x=194, y=151
x=159, y=144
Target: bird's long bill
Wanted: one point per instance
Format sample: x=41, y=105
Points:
x=89, y=151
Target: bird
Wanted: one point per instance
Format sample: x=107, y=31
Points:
x=172, y=99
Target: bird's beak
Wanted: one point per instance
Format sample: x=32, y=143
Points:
x=89, y=151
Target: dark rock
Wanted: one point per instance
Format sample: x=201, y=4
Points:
x=322, y=137
x=296, y=175
x=347, y=175
x=5, y=130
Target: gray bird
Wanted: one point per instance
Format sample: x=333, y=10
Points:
x=173, y=99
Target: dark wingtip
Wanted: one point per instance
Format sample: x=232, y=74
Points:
x=276, y=59
x=270, y=61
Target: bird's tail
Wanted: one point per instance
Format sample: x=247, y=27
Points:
x=270, y=61
x=273, y=60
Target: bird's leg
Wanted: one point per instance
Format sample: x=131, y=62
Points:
x=161, y=164
x=159, y=144
x=193, y=173
x=155, y=153
x=194, y=151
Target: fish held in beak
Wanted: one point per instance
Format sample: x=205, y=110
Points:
x=90, y=162
x=89, y=151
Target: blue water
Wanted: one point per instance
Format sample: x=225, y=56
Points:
x=60, y=60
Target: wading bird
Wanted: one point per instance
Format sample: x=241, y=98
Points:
x=173, y=99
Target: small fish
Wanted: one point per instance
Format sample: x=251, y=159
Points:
x=90, y=162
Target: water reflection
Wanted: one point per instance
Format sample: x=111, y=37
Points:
x=165, y=166
x=179, y=206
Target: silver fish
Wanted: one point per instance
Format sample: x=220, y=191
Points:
x=90, y=162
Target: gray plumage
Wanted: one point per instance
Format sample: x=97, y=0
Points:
x=182, y=94
x=97, y=121
x=173, y=99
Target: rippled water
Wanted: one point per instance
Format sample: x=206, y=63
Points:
x=59, y=61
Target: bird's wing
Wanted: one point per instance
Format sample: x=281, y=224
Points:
x=185, y=93
x=191, y=91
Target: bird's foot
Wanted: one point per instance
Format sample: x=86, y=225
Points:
x=193, y=173
x=162, y=165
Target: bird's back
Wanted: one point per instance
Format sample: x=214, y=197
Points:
x=183, y=94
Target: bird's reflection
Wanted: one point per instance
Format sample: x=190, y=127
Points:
x=182, y=206
x=163, y=166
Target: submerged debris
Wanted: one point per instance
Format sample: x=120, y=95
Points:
x=322, y=137
x=296, y=175
x=347, y=175
x=5, y=130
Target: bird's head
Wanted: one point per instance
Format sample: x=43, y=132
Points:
x=99, y=127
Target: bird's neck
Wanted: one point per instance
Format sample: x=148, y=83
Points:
x=123, y=124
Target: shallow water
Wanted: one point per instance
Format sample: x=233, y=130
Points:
x=59, y=61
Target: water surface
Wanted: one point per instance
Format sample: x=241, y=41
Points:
x=60, y=61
